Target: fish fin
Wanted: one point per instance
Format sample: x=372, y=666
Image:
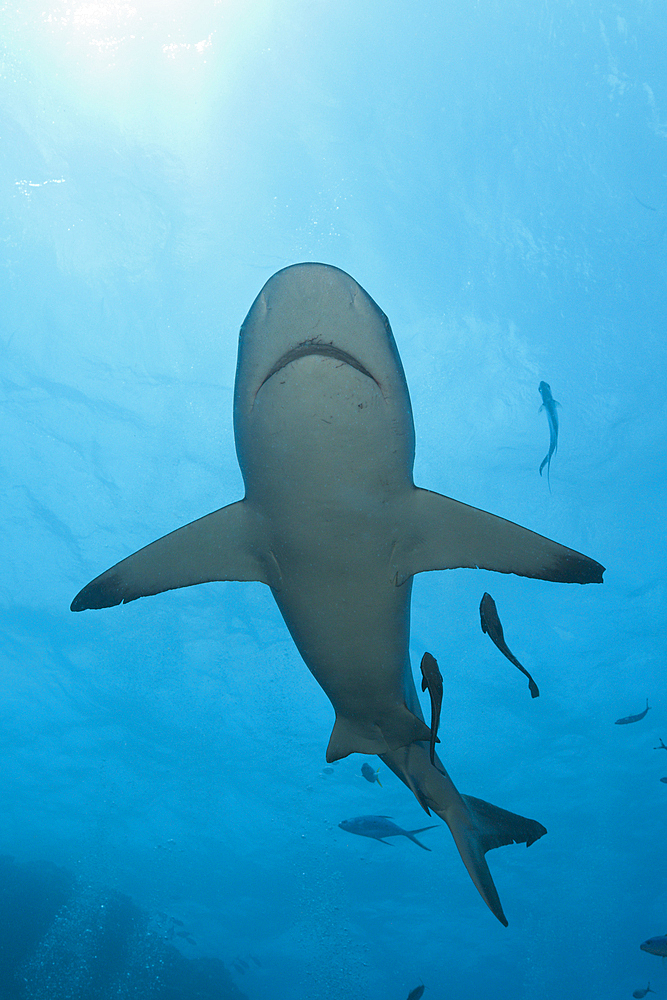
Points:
x=393, y=731
x=224, y=545
x=411, y=835
x=441, y=533
x=378, y=780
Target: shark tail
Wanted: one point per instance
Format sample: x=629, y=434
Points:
x=394, y=730
x=476, y=826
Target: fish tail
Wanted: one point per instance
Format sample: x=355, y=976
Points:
x=411, y=835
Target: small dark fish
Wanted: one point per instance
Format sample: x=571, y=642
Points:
x=549, y=404
x=634, y=718
x=664, y=781
x=491, y=625
x=661, y=747
x=656, y=946
x=432, y=679
x=419, y=990
x=642, y=993
x=379, y=827
x=369, y=774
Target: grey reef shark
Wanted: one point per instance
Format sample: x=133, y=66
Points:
x=333, y=523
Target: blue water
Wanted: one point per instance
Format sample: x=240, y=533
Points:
x=494, y=175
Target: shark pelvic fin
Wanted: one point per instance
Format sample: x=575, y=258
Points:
x=357, y=736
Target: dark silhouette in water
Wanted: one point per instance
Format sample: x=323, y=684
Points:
x=642, y=993
x=488, y=614
x=549, y=404
x=662, y=745
x=60, y=937
x=418, y=991
x=634, y=718
x=432, y=679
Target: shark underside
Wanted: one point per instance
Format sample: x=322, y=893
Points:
x=333, y=523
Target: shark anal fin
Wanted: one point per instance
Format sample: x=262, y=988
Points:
x=440, y=533
x=221, y=546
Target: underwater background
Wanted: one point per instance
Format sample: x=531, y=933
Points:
x=494, y=175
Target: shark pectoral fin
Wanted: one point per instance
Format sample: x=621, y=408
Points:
x=224, y=545
x=435, y=532
x=398, y=729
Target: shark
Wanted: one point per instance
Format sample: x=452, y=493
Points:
x=334, y=524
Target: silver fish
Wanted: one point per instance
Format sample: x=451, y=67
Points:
x=549, y=404
x=379, y=827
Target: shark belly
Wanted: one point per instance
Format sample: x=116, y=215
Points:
x=325, y=469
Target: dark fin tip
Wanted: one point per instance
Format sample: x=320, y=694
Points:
x=580, y=570
x=98, y=595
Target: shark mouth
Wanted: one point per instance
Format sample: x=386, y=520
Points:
x=325, y=350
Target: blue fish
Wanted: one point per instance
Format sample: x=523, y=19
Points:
x=379, y=827
x=656, y=946
x=633, y=718
x=642, y=993
x=549, y=404
x=369, y=774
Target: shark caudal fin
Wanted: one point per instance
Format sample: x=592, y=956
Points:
x=491, y=827
x=476, y=826
x=398, y=729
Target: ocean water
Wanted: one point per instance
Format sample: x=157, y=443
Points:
x=494, y=175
